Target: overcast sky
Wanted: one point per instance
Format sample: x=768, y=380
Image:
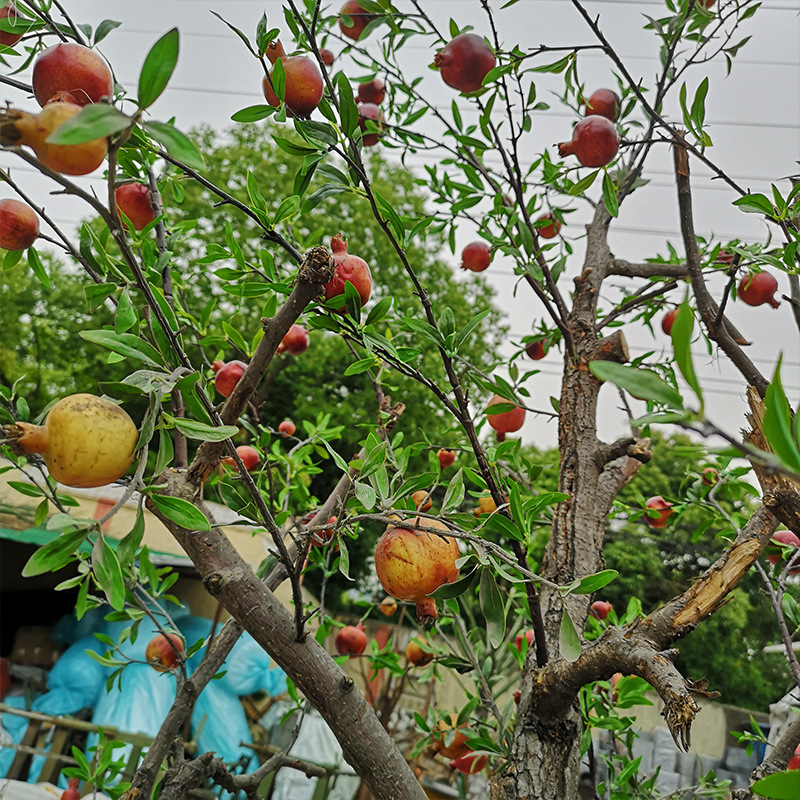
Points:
x=753, y=115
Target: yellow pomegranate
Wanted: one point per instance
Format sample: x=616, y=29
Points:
x=32, y=130
x=411, y=564
x=85, y=440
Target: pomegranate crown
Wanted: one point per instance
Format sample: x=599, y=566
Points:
x=338, y=243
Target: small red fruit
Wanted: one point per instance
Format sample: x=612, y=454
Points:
x=476, y=256
x=528, y=636
x=326, y=57
x=536, y=350
x=710, y=476
x=72, y=792
x=6, y=37
x=417, y=654
x=411, y=564
x=785, y=539
x=724, y=257
x=603, y=103
x=303, y=87
x=74, y=69
x=359, y=19
x=388, y=606
x=248, y=455
x=549, y=231
x=794, y=761
x=595, y=142
x=348, y=268
x=228, y=375
x=446, y=457
x=287, y=428
x=19, y=225
x=422, y=502
x=664, y=509
x=465, y=61
x=133, y=200
x=758, y=288
x=370, y=111
x=599, y=609
x=295, y=341
x=321, y=538
x=505, y=421
x=372, y=92
x=470, y=764
x=668, y=321
x=351, y=640
x=164, y=652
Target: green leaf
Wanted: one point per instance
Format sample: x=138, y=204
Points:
x=56, y=554
x=630, y=769
x=360, y=366
x=95, y=121
x=492, y=607
x=568, y=640
x=643, y=384
x=779, y=785
x=38, y=269
x=192, y=429
x=125, y=317
x=104, y=28
x=449, y=590
x=610, y=195
x=126, y=344
x=778, y=422
x=347, y=105
x=584, y=183
x=379, y=310
x=108, y=573
x=454, y=495
x=681, y=334
x=253, y=113
x=177, y=144
x=366, y=495
x=159, y=64
x=28, y=489
x=591, y=583
x=755, y=204
x=129, y=544
x=499, y=523
x=181, y=511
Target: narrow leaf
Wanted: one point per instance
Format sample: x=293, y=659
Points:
x=95, y=121
x=181, y=511
x=159, y=64
x=568, y=640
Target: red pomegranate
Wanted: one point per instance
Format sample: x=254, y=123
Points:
x=351, y=640
x=72, y=69
x=785, y=539
x=248, y=455
x=295, y=341
x=465, y=61
x=536, y=350
x=664, y=509
x=476, y=256
x=595, y=142
x=470, y=764
x=321, y=538
x=505, y=421
x=551, y=229
x=758, y=288
x=372, y=92
x=668, y=321
x=72, y=792
x=358, y=19
x=446, y=457
x=348, y=268
x=287, y=428
x=528, y=637
x=6, y=37
x=19, y=225
x=603, y=103
x=600, y=609
x=411, y=564
x=327, y=57
x=370, y=111
x=303, y=88
x=710, y=476
x=228, y=375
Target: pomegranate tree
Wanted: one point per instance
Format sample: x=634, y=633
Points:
x=411, y=564
x=85, y=441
